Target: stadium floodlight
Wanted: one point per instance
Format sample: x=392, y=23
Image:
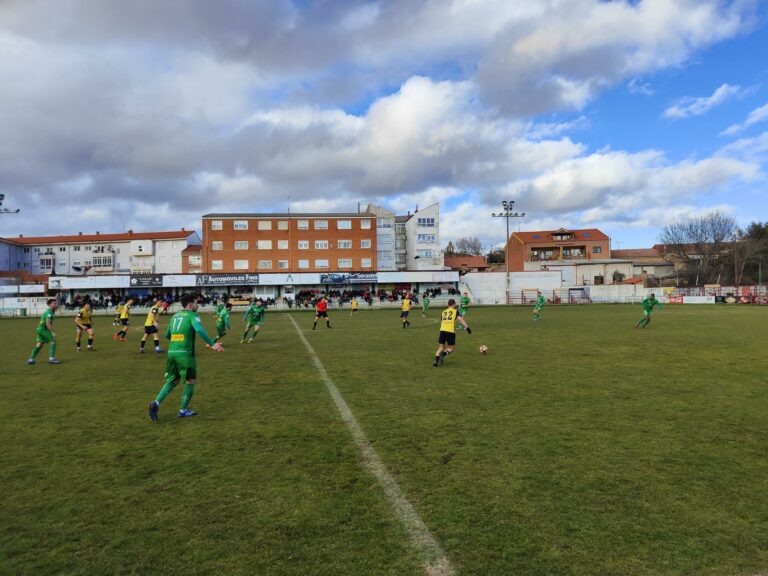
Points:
x=508, y=213
x=5, y=210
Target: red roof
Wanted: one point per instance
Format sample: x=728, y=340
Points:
x=193, y=248
x=636, y=253
x=631, y=281
x=459, y=262
x=93, y=238
x=545, y=236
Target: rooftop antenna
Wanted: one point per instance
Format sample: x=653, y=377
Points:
x=6, y=210
x=289, y=204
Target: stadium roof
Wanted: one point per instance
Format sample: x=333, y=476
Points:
x=98, y=237
x=292, y=215
x=545, y=236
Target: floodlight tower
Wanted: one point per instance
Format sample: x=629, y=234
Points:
x=508, y=206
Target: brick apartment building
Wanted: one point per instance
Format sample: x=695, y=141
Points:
x=556, y=245
x=289, y=243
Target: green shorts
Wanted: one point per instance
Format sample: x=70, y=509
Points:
x=181, y=368
x=646, y=312
x=44, y=336
x=253, y=323
x=463, y=311
x=221, y=330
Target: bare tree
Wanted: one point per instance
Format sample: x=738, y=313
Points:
x=703, y=245
x=468, y=247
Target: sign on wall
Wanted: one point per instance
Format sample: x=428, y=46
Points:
x=227, y=279
x=146, y=281
x=349, y=278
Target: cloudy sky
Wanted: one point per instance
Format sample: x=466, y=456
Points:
x=621, y=115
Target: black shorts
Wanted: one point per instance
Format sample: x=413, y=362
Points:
x=447, y=338
x=404, y=314
x=322, y=314
x=84, y=326
x=124, y=321
x=150, y=329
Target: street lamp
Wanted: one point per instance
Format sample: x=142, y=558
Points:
x=507, y=213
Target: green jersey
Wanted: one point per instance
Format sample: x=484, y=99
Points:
x=425, y=303
x=48, y=314
x=648, y=305
x=222, y=319
x=540, y=301
x=464, y=302
x=255, y=314
x=181, y=332
x=219, y=307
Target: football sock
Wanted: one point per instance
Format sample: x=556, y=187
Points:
x=90, y=342
x=245, y=335
x=437, y=358
x=141, y=344
x=35, y=352
x=77, y=342
x=52, y=350
x=186, y=396
x=164, y=391
x=157, y=342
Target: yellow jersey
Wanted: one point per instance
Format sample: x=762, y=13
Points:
x=448, y=320
x=152, y=316
x=84, y=316
x=406, y=305
x=354, y=304
x=118, y=309
x=125, y=313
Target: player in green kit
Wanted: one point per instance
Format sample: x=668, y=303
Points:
x=254, y=318
x=181, y=363
x=219, y=308
x=648, y=305
x=424, y=305
x=463, y=306
x=222, y=322
x=540, y=301
x=46, y=335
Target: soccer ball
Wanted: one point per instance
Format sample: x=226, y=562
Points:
x=483, y=349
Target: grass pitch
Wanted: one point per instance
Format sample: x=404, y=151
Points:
x=579, y=445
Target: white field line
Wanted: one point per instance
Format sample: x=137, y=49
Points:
x=434, y=560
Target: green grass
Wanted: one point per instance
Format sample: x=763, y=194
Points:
x=576, y=446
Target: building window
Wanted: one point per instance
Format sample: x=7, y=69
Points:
x=424, y=253
x=195, y=260
x=62, y=249
x=345, y=263
x=241, y=264
x=102, y=261
x=282, y=264
x=217, y=245
x=343, y=224
x=426, y=238
x=282, y=244
x=426, y=222
x=241, y=224
x=264, y=225
x=365, y=224
x=217, y=265
x=87, y=248
x=241, y=244
x=365, y=263
x=321, y=263
x=321, y=224
x=265, y=264
x=264, y=244
x=303, y=264
x=216, y=225
x=282, y=224
x=365, y=243
x=345, y=244
x=321, y=244
x=76, y=249
x=46, y=262
x=597, y=249
x=303, y=245
x=303, y=224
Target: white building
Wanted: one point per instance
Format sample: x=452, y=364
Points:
x=422, y=236
x=385, y=237
x=90, y=254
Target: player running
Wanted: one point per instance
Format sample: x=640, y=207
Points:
x=84, y=323
x=222, y=322
x=151, y=327
x=464, y=305
x=405, y=309
x=648, y=305
x=353, y=308
x=181, y=363
x=125, y=320
x=118, y=311
x=540, y=301
x=46, y=335
x=254, y=318
x=447, y=339
x=321, y=311
x=424, y=305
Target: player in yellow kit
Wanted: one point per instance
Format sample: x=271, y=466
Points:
x=405, y=308
x=447, y=340
x=353, y=307
x=125, y=320
x=84, y=323
x=151, y=326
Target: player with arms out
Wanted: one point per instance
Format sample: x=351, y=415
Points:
x=321, y=311
x=648, y=305
x=254, y=318
x=222, y=322
x=46, y=335
x=84, y=323
x=125, y=320
x=181, y=363
x=464, y=306
x=540, y=301
x=424, y=305
x=353, y=307
x=405, y=309
x=447, y=339
x=151, y=326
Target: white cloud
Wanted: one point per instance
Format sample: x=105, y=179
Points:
x=689, y=106
x=636, y=86
x=756, y=116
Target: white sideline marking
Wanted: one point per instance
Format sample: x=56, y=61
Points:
x=433, y=558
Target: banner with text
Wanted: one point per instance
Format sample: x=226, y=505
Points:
x=228, y=280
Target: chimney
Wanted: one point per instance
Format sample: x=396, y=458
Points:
x=182, y=229
x=97, y=232
x=409, y=213
x=130, y=232
x=79, y=233
x=21, y=235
